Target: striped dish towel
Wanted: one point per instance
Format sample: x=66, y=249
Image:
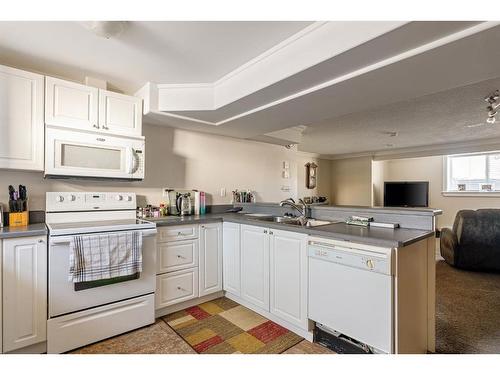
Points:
x=104, y=256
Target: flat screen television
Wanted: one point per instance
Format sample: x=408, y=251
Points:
x=406, y=194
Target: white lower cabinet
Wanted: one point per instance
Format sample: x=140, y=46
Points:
x=255, y=265
x=210, y=258
x=176, y=287
x=288, y=276
x=24, y=299
x=231, y=258
x=271, y=268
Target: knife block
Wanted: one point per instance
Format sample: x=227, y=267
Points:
x=18, y=219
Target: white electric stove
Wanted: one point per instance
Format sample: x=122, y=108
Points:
x=78, y=317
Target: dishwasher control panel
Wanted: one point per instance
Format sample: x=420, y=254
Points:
x=370, y=259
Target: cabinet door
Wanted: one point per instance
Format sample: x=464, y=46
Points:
x=288, y=276
x=120, y=114
x=210, y=258
x=231, y=258
x=176, y=287
x=24, y=292
x=70, y=104
x=21, y=119
x=255, y=265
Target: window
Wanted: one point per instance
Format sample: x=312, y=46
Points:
x=473, y=172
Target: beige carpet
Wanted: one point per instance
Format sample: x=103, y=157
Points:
x=467, y=311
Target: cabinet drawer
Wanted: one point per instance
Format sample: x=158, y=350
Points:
x=174, y=256
x=175, y=287
x=177, y=233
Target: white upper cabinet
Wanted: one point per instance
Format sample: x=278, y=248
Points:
x=231, y=258
x=288, y=276
x=210, y=258
x=21, y=119
x=120, y=114
x=255, y=265
x=71, y=104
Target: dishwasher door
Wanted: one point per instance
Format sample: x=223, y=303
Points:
x=354, y=301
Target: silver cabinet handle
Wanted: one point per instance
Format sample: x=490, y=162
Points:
x=41, y=241
x=181, y=257
x=179, y=288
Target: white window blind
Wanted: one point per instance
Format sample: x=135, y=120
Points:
x=473, y=171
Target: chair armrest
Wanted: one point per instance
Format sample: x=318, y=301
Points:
x=448, y=245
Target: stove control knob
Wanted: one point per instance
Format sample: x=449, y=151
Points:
x=118, y=197
x=129, y=198
x=59, y=198
x=71, y=197
x=370, y=264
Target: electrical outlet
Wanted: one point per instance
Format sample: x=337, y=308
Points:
x=222, y=192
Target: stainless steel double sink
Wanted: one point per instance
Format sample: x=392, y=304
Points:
x=289, y=220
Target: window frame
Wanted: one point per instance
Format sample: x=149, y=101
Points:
x=467, y=193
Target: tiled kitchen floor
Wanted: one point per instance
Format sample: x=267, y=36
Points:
x=159, y=338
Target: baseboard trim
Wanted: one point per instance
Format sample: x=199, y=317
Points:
x=38, y=348
x=184, y=305
x=299, y=331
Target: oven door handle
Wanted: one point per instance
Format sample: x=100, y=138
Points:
x=67, y=239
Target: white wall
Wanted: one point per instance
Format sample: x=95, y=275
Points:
x=428, y=169
x=183, y=159
x=352, y=181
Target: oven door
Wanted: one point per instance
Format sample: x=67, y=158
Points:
x=72, y=153
x=64, y=299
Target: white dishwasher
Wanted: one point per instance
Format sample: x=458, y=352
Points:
x=351, y=290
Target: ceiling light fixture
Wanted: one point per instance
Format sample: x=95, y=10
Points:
x=106, y=29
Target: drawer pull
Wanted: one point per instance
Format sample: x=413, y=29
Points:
x=181, y=257
x=181, y=234
x=179, y=288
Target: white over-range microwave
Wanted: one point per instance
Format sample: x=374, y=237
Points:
x=70, y=153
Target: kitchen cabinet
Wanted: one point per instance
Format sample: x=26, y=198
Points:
x=24, y=299
x=120, y=114
x=21, y=119
x=175, y=256
x=231, y=258
x=71, y=104
x=176, y=287
x=288, y=276
x=74, y=105
x=255, y=265
x=210, y=258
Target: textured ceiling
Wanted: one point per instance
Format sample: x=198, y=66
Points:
x=165, y=52
x=439, y=118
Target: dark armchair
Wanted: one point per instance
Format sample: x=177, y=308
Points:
x=474, y=241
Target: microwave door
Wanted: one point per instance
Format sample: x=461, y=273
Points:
x=79, y=154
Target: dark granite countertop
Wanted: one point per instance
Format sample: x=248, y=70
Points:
x=30, y=230
x=372, y=236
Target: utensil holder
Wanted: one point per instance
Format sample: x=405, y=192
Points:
x=18, y=219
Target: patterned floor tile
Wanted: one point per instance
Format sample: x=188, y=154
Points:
x=207, y=344
x=197, y=313
x=268, y=331
x=157, y=338
x=182, y=322
x=242, y=317
x=211, y=308
x=200, y=336
x=245, y=343
x=225, y=303
x=306, y=347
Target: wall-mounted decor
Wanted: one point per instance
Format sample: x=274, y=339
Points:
x=311, y=174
